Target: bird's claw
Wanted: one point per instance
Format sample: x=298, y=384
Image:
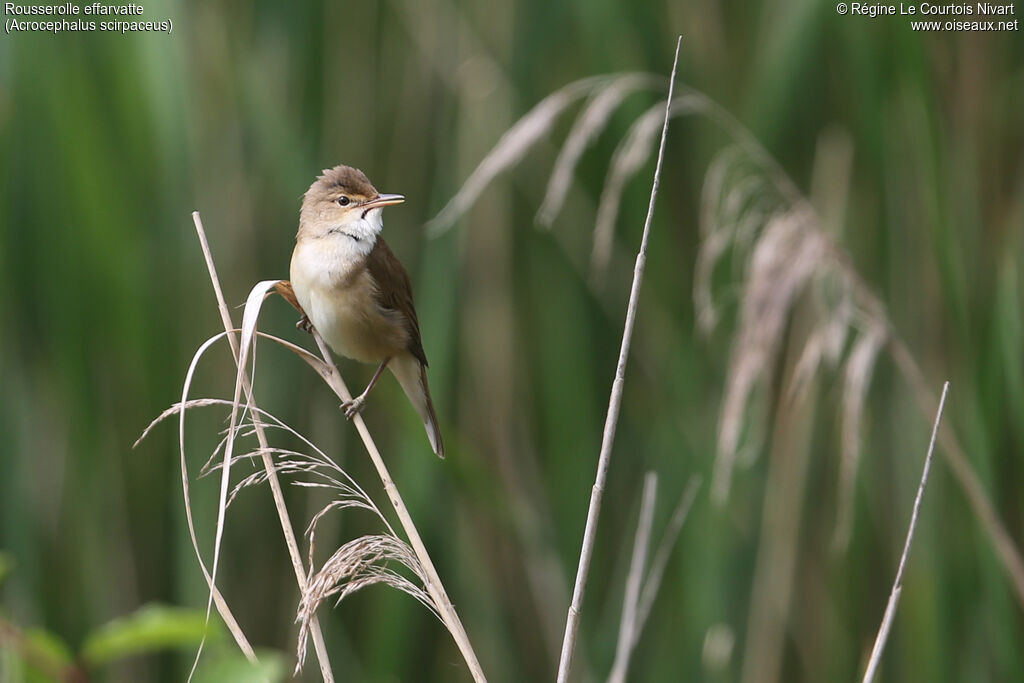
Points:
x=353, y=407
x=304, y=324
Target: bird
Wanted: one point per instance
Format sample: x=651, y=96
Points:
x=355, y=291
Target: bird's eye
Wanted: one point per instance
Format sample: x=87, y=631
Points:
x=344, y=201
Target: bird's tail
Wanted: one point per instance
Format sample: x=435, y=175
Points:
x=412, y=375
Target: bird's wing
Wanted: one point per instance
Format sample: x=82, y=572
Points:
x=284, y=288
x=394, y=292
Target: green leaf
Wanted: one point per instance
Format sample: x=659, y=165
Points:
x=48, y=646
x=151, y=628
x=35, y=656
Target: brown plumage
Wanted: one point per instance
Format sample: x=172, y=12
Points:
x=394, y=293
x=355, y=291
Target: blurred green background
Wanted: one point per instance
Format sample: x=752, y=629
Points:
x=109, y=142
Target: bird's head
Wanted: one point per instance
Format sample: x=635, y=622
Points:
x=343, y=201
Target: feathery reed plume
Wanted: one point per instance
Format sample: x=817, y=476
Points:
x=355, y=565
x=782, y=263
x=856, y=378
x=531, y=128
x=516, y=141
x=751, y=208
x=599, y=108
x=630, y=156
x=358, y=563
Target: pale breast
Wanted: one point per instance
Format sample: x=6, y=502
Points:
x=338, y=294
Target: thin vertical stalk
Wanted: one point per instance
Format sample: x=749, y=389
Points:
x=614, y=404
x=629, y=625
x=897, y=586
x=1002, y=541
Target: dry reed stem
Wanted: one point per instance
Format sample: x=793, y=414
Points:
x=326, y=369
x=661, y=555
x=268, y=464
x=218, y=599
x=897, y=586
x=329, y=373
x=964, y=472
x=614, y=404
x=357, y=564
x=637, y=603
x=628, y=631
x=785, y=485
x=751, y=212
x=433, y=581
x=215, y=596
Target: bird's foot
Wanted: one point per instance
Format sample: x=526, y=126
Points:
x=353, y=407
x=304, y=324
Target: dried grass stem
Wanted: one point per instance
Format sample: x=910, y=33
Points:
x=614, y=404
x=897, y=586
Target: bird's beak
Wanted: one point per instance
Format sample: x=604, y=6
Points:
x=383, y=200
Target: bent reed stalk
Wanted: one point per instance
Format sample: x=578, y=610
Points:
x=328, y=371
x=265, y=454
